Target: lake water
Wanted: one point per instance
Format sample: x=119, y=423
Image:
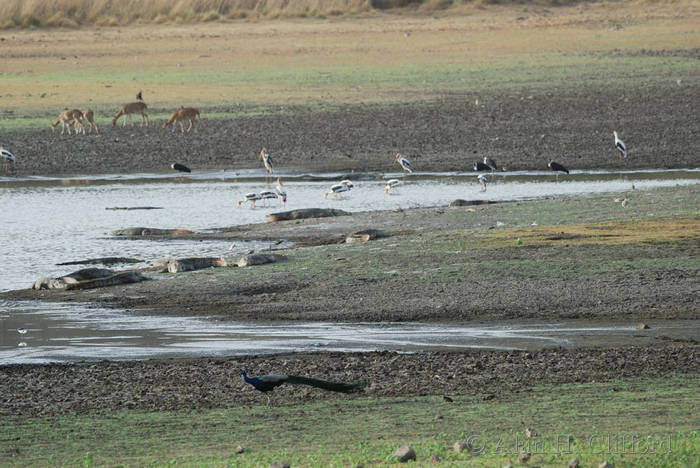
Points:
x=46, y=221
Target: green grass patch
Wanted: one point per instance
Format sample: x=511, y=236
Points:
x=572, y=420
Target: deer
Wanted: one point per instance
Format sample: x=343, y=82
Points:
x=180, y=115
x=68, y=118
x=132, y=108
x=89, y=116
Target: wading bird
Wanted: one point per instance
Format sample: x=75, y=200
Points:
x=404, y=163
x=281, y=191
x=249, y=197
x=390, y=184
x=180, y=167
x=267, y=383
x=482, y=180
x=266, y=159
x=343, y=186
x=7, y=159
x=22, y=331
x=267, y=195
x=490, y=163
x=479, y=166
x=621, y=147
x=555, y=166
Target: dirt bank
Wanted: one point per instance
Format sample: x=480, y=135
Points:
x=32, y=390
x=520, y=130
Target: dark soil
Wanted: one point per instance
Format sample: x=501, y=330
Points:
x=520, y=130
x=38, y=390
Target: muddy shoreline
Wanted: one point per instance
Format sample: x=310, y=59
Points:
x=519, y=129
x=161, y=385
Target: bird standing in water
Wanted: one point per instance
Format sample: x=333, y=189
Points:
x=267, y=383
x=482, y=180
x=266, y=159
x=281, y=191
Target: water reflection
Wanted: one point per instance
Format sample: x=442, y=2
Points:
x=75, y=332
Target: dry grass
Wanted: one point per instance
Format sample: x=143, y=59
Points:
x=72, y=13
x=609, y=233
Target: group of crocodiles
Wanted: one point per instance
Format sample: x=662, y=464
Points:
x=89, y=278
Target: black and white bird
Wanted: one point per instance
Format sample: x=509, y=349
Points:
x=482, y=180
x=251, y=197
x=180, y=167
x=281, y=191
x=343, y=186
x=390, y=184
x=404, y=163
x=266, y=159
x=490, y=163
x=480, y=166
x=22, y=331
x=7, y=158
x=555, y=166
x=268, y=195
x=621, y=147
x=267, y=383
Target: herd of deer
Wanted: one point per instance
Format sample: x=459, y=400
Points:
x=75, y=118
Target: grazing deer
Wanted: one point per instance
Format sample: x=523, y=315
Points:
x=89, y=116
x=180, y=115
x=68, y=118
x=132, y=108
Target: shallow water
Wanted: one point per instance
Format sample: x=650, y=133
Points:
x=47, y=221
x=62, y=220
x=73, y=332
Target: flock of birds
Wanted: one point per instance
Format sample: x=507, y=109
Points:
x=488, y=164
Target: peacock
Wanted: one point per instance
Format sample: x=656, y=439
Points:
x=266, y=383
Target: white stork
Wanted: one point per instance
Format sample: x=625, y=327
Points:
x=482, y=180
x=251, y=197
x=390, y=184
x=7, y=158
x=621, y=147
x=268, y=195
x=404, y=163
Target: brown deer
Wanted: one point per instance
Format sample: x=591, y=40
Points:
x=180, y=115
x=68, y=118
x=89, y=116
x=132, y=108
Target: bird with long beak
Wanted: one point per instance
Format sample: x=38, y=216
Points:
x=404, y=163
x=281, y=191
x=482, y=180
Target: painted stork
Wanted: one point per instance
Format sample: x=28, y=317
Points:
x=490, y=163
x=621, y=147
x=180, y=167
x=390, y=184
x=250, y=197
x=555, y=166
x=482, y=180
x=266, y=159
x=479, y=166
x=268, y=195
x=404, y=163
x=281, y=191
x=7, y=158
x=343, y=186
